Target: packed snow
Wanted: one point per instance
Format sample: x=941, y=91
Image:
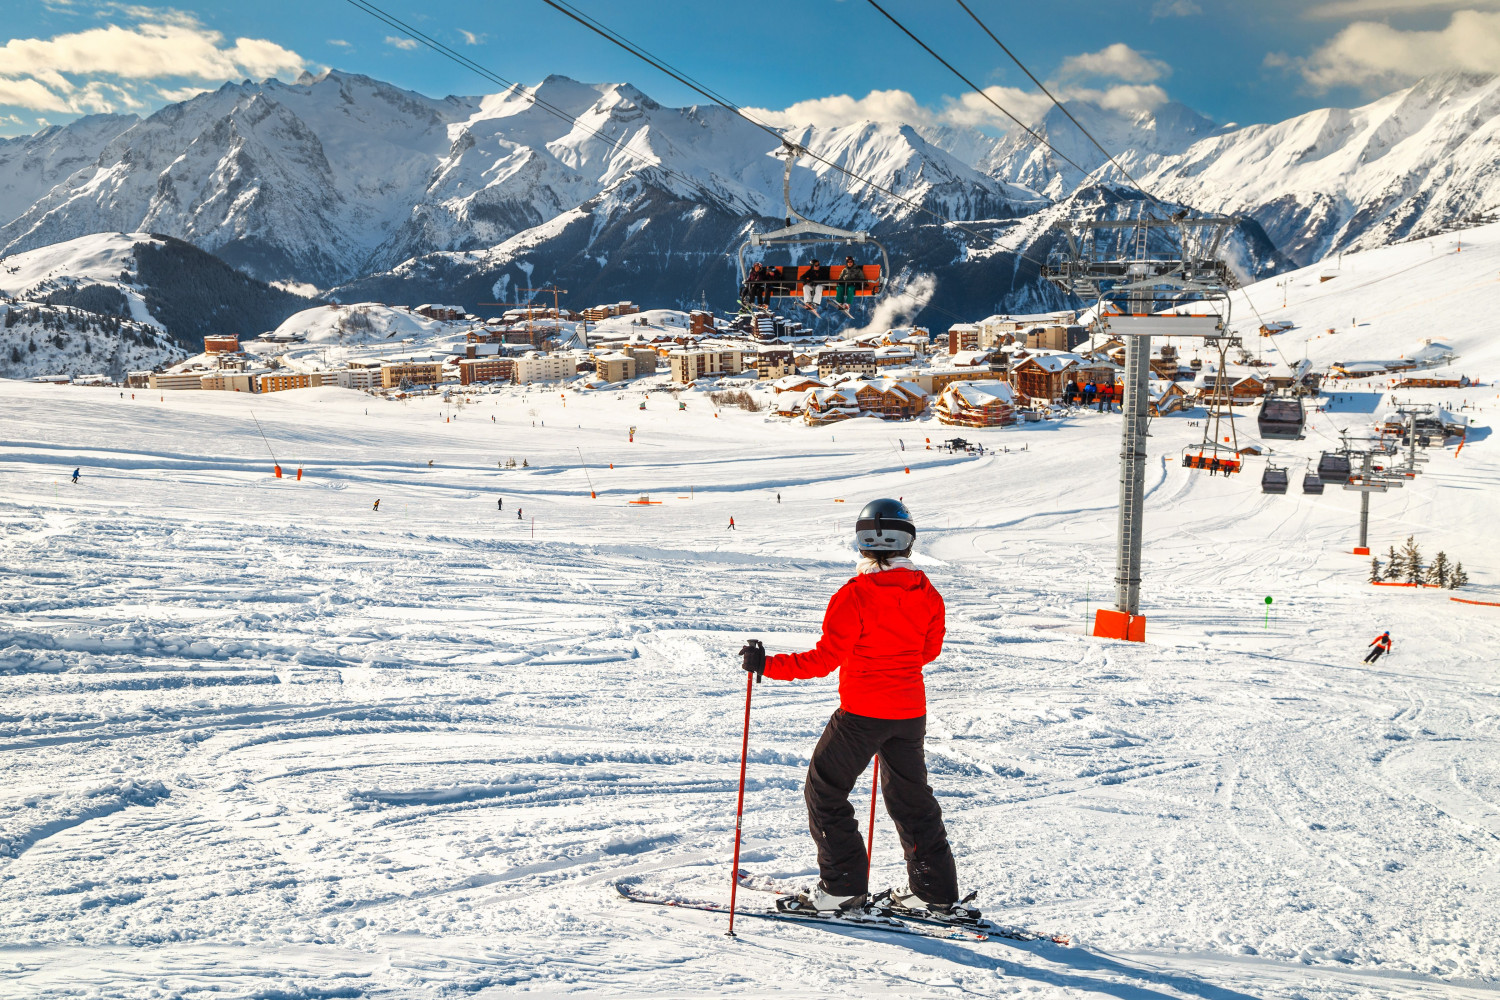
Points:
x=262, y=740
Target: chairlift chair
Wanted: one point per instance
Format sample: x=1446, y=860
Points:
x=785, y=280
x=1280, y=418
x=1274, y=480
x=1334, y=467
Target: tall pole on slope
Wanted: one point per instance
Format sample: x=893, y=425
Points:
x=1133, y=459
x=1364, y=506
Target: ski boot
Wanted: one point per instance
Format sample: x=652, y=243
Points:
x=819, y=900
x=905, y=903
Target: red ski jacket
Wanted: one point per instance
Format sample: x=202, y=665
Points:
x=881, y=629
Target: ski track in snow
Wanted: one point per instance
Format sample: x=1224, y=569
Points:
x=260, y=741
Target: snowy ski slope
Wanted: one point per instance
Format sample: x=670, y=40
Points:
x=261, y=741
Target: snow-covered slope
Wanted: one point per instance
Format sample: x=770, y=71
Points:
x=153, y=280
x=1421, y=161
x=1382, y=303
x=362, y=323
x=41, y=339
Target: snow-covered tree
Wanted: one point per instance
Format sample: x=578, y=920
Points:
x=1411, y=561
x=1459, y=577
x=1440, y=571
x=1394, y=569
x=1375, y=570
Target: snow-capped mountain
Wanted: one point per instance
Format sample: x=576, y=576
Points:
x=1418, y=162
x=343, y=182
x=1132, y=136
x=331, y=177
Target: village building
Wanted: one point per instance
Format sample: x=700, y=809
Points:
x=227, y=343
x=795, y=383
x=935, y=380
x=963, y=337
x=491, y=369
x=823, y=406
x=976, y=404
x=364, y=379
x=1164, y=397
x=544, y=368
x=1042, y=378
x=434, y=311
x=894, y=356
x=394, y=373
x=176, y=380
x=833, y=361
x=280, y=381
x=229, y=381
x=689, y=365
x=774, y=362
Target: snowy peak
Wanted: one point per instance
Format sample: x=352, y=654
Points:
x=1411, y=164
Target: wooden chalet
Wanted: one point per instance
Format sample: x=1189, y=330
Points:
x=1043, y=376
x=976, y=404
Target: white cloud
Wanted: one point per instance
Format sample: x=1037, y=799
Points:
x=1175, y=8
x=98, y=69
x=472, y=39
x=841, y=109
x=1115, y=62
x=173, y=95
x=339, y=43
x=405, y=44
x=969, y=110
x=1372, y=56
x=1363, y=8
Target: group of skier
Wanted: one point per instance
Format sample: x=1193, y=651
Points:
x=765, y=280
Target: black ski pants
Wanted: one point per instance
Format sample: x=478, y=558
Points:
x=1374, y=654
x=843, y=753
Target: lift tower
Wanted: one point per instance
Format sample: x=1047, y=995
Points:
x=1133, y=269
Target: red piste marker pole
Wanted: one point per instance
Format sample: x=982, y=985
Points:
x=870, y=845
x=739, y=811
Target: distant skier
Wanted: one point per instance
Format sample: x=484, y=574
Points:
x=880, y=629
x=731, y=524
x=75, y=476
x=500, y=503
x=377, y=505
x=518, y=513
x=1382, y=644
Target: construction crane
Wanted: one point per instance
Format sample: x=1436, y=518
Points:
x=530, y=307
x=1135, y=270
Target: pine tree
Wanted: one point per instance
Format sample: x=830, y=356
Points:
x=1374, y=570
x=1395, y=570
x=1459, y=577
x=1411, y=561
x=1440, y=571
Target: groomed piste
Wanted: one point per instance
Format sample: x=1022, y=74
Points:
x=261, y=740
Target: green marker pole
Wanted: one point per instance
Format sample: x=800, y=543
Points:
x=1267, y=624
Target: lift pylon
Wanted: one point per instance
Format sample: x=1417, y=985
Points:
x=1148, y=276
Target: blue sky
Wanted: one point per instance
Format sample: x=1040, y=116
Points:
x=828, y=60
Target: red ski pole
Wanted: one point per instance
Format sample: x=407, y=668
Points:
x=739, y=811
x=870, y=847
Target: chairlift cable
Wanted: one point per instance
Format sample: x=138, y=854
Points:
x=615, y=145
x=974, y=87
x=1060, y=106
x=611, y=35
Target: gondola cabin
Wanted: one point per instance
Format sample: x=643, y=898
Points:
x=1312, y=484
x=1280, y=418
x=789, y=280
x=1273, y=480
x=1334, y=467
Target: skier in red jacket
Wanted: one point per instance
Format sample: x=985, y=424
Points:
x=880, y=629
x=1382, y=644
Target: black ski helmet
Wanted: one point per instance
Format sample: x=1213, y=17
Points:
x=884, y=526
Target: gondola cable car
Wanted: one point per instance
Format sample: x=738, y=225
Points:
x=1334, y=467
x=787, y=280
x=1312, y=483
x=1274, y=479
x=1281, y=417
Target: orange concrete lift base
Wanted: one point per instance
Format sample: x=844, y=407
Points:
x=1119, y=625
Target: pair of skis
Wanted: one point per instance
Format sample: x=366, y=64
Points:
x=884, y=916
